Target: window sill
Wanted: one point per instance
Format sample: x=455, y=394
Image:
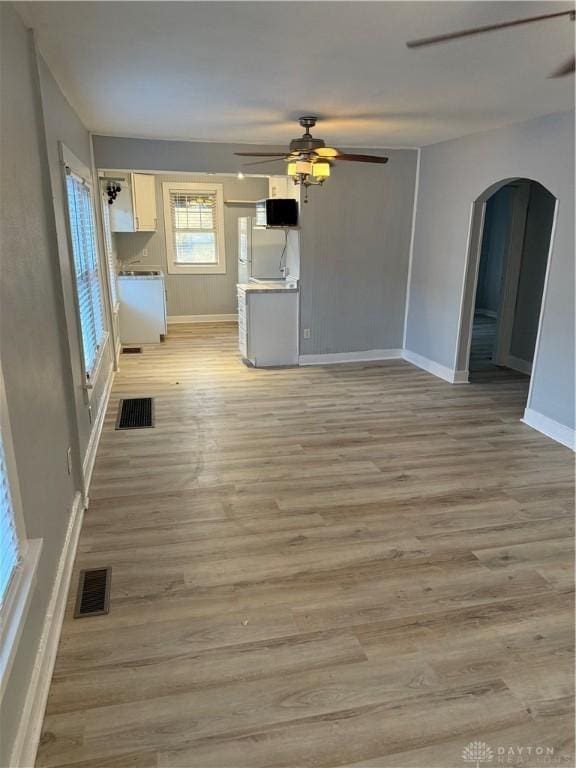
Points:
x=16, y=607
x=89, y=386
x=200, y=269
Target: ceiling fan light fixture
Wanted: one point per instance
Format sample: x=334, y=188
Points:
x=303, y=166
x=307, y=172
x=321, y=170
x=308, y=159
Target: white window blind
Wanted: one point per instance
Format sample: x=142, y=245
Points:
x=9, y=545
x=109, y=245
x=86, y=269
x=193, y=216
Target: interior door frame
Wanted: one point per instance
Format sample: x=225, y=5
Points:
x=470, y=282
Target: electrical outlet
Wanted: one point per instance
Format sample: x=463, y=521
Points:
x=306, y=333
x=69, y=460
x=145, y=253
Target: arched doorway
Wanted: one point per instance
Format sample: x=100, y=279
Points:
x=511, y=233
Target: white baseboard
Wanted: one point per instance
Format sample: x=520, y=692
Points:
x=30, y=728
x=460, y=377
x=523, y=366
x=553, y=429
x=436, y=369
x=175, y=319
x=366, y=356
x=90, y=457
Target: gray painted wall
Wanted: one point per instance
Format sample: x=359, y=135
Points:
x=539, y=218
x=39, y=331
x=354, y=244
x=197, y=294
x=34, y=353
x=453, y=175
x=494, y=249
x=176, y=156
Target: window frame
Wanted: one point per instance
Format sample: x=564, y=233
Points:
x=23, y=579
x=108, y=245
x=72, y=165
x=174, y=267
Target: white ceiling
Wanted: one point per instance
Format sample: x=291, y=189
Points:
x=242, y=71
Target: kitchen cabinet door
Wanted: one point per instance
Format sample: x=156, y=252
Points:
x=144, y=199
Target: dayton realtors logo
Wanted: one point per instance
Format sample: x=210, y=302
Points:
x=477, y=752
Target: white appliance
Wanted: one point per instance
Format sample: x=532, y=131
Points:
x=142, y=298
x=268, y=324
x=259, y=251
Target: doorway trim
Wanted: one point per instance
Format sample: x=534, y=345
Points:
x=470, y=283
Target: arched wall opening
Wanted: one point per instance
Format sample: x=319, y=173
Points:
x=516, y=271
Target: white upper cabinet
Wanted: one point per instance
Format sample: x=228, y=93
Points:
x=278, y=186
x=134, y=210
x=144, y=199
x=283, y=186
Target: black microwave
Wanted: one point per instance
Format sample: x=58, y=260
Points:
x=277, y=212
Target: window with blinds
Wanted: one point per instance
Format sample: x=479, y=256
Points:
x=9, y=544
x=88, y=286
x=194, y=218
x=194, y=227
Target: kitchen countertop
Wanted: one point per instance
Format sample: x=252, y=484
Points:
x=272, y=287
x=137, y=276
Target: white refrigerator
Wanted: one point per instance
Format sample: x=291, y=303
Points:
x=260, y=251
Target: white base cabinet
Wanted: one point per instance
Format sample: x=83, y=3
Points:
x=142, y=310
x=268, y=327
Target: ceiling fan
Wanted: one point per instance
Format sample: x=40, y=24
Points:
x=309, y=159
x=565, y=69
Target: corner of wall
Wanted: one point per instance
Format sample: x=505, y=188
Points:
x=411, y=252
x=451, y=375
x=551, y=428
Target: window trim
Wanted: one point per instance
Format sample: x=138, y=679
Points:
x=109, y=251
x=23, y=580
x=71, y=163
x=194, y=269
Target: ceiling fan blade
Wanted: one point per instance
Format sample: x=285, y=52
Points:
x=327, y=152
x=262, y=162
x=567, y=68
x=480, y=30
x=260, y=154
x=361, y=158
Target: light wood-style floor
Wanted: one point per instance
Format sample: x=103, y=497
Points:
x=355, y=565
x=482, y=346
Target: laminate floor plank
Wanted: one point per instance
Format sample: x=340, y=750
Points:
x=356, y=565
